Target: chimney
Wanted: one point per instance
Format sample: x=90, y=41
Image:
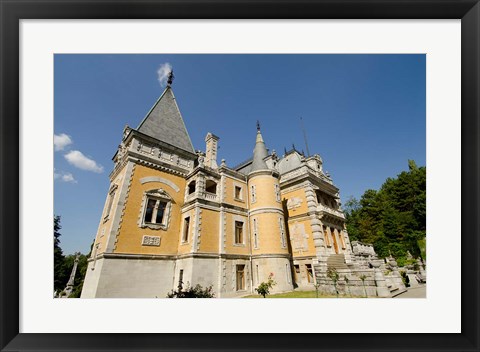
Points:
x=211, y=150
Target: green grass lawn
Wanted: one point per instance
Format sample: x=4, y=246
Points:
x=298, y=294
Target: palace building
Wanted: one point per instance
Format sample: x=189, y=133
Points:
x=173, y=214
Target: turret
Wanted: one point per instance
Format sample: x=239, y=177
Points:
x=267, y=222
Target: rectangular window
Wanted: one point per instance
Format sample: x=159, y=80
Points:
x=240, y=277
x=180, y=278
x=309, y=272
x=287, y=274
x=155, y=211
x=160, y=212
x=255, y=234
x=342, y=239
x=282, y=233
x=94, y=255
x=258, y=276
x=238, y=232
x=327, y=238
x=297, y=272
x=110, y=203
x=277, y=193
x=254, y=195
x=186, y=229
x=238, y=192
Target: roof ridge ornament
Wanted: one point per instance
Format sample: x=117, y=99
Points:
x=171, y=77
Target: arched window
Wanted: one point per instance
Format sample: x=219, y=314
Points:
x=211, y=187
x=192, y=187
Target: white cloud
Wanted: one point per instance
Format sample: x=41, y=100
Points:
x=61, y=141
x=64, y=176
x=163, y=72
x=77, y=159
x=68, y=177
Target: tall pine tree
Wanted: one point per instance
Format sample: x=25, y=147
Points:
x=59, y=276
x=393, y=218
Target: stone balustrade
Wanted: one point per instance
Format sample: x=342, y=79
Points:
x=362, y=248
x=323, y=208
x=210, y=196
x=303, y=171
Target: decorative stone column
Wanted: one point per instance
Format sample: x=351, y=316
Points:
x=382, y=288
x=317, y=229
x=423, y=273
x=349, y=259
x=396, y=274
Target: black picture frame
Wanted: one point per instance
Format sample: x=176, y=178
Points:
x=11, y=11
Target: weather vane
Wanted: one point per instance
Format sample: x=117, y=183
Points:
x=258, y=125
x=170, y=78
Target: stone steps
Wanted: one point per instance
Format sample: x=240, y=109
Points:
x=395, y=291
x=336, y=261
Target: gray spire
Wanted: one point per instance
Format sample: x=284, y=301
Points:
x=165, y=123
x=259, y=153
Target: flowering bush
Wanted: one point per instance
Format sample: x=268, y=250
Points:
x=264, y=287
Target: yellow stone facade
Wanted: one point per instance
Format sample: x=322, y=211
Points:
x=175, y=215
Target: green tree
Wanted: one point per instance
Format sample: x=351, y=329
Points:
x=63, y=265
x=60, y=278
x=393, y=218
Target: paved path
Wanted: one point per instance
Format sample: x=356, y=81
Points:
x=414, y=292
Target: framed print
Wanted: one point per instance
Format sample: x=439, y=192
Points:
x=239, y=227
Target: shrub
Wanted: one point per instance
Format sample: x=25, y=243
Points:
x=405, y=278
x=192, y=292
x=333, y=275
x=264, y=287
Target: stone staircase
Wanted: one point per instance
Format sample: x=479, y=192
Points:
x=395, y=291
x=337, y=262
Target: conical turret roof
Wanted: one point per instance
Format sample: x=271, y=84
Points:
x=165, y=123
x=259, y=153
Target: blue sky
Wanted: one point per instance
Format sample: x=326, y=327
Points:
x=364, y=114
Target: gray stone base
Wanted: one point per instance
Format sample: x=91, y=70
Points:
x=148, y=277
x=128, y=278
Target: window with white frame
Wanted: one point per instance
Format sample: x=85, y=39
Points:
x=238, y=193
x=254, y=194
x=156, y=209
x=238, y=232
x=255, y=233
x=283, y=240
x=240, y=277
x=186, y=229
x=111, y=196
x=277, y=193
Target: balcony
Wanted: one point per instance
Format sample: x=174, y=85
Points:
x=330, y=211
x=210, y=196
